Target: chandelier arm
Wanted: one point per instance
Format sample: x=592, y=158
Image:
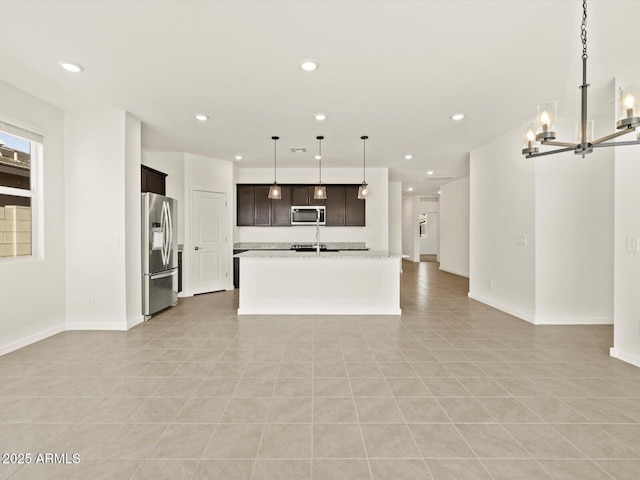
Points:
x=542, y=154
x=613, y=135
x=617, y=144
x=558, y=144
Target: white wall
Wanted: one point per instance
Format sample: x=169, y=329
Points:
x=133, y=219
x=95, y=205
x=410, y=247
x=395, y=218
x=32, y=293
x=376, y=232
x=541, y=232
x=454, y=227
x=574, y=234
x=626, y=342
x=502, y=207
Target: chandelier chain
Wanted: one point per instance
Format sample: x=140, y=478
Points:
x=583, y=30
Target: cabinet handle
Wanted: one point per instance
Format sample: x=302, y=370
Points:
x=196, y=248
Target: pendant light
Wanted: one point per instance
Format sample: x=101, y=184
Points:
x=628, y=117
x=363, y=191
x=275, y=192
x=320, y=191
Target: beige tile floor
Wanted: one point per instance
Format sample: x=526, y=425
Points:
x=451, y=390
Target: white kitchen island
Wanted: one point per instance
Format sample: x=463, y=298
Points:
x=339, y=283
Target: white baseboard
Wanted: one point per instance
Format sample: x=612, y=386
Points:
x=135, y=321
x=10, y=347
x=542, y=320
x=504, y=308
x=625, y=357
x=94, y=322
x=460, y=274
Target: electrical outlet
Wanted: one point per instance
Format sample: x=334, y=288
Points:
x=490, y=284
x=90, y=302
x=521, y=240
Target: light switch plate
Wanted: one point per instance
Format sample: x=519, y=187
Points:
x=633, y=244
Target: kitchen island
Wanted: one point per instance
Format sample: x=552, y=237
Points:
x=338, y=283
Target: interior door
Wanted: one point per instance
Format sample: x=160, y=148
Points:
x=209, y=234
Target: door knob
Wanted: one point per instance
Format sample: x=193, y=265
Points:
x=196, y=248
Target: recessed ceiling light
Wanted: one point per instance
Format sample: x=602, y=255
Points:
x=408, y=156
x=202, y=117
x=430, y=172
x=457, y=116
x=308, y=65
x=439, y=191
x=71, y=67
x=410, y=189
x=238, y=157
x=318, y=157
x=320, y=116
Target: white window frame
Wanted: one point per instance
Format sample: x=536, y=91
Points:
x=35, y=193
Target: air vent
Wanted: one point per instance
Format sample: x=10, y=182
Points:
x=298, y=149
x=430, y=199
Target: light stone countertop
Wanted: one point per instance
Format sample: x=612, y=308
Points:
x=293, y=254
x=287, y=245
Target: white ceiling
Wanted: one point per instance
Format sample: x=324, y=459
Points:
x=393, y=70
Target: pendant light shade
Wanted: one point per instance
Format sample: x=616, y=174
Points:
x=275, y=192
x=363, y=191
x=320, y=191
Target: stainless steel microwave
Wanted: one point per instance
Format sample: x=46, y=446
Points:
x=303, y=215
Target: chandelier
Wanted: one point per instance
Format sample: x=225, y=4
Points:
x=543, y=130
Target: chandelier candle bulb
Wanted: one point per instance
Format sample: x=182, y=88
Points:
x=626, y=113
x=529, y=143
x=547, y=114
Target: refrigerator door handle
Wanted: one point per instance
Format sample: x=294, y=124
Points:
x=157, y=276
x=170, y=227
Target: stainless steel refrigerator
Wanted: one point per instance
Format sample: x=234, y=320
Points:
x=159, y=253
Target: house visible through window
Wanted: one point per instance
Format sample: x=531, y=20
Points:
x=17, y=192
x=423, y=225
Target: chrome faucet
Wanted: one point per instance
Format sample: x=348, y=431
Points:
x=317, y=245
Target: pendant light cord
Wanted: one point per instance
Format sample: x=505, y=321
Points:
x=320, y=160
x=275, y=159
x=583, y=30
x=364, y=158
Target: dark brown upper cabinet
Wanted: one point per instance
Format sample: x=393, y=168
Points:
x=246, y=205
x=254, y=208
x=302, y=195
x=152, y=180
x=281, y=209
x=355, y=208
x=336, y=208
x=262, y=206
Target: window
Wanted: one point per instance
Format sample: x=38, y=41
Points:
x=423, y=225
x=19, y=154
